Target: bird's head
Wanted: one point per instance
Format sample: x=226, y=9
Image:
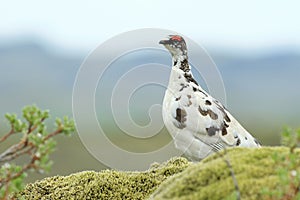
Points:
x=175, y=44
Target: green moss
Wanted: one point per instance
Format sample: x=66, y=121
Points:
x=211, y=178
x=177, y=179
x=107, y=184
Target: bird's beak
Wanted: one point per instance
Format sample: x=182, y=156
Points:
x=164, y=42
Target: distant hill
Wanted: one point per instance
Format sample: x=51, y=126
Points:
x=262, y=90
x=29, y=73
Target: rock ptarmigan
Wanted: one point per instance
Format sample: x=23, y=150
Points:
x=198, y=123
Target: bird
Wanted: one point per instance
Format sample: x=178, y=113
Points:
x=198, y=123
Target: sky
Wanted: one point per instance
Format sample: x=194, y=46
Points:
x=82, y=25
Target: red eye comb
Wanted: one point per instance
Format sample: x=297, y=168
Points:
x=176, y=37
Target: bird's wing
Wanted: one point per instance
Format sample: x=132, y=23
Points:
x=205, y=117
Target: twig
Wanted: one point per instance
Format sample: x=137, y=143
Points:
x=217, y=148
x=32, y=128
x=3, y=138
x=9, y=178
x=235, y=182
x=6, y=190
x=58, y=131
x=15, y=155
x=12, y=150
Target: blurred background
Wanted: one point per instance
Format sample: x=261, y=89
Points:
x=254, y=44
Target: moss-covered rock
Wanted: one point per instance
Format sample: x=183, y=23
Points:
x=107, y=184
x=177, y=179
x=211, y=179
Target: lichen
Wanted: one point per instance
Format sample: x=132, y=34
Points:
x=211, y=179
x=176, y=179
x=107, y=184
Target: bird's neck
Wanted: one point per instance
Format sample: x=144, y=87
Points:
x=181, y=75
x=181, y=62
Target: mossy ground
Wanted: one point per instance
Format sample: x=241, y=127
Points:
x=107, y=184
x=177, y=179
x=211, y=179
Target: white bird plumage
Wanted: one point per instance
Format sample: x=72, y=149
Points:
x=198, y=123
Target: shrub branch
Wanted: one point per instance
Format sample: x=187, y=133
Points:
x=36, y=143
